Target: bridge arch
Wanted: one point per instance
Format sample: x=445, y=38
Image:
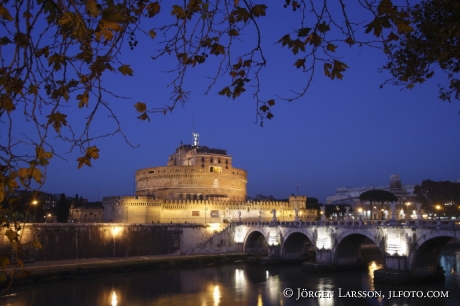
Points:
x=347, y=247
x=296, y=244
x=424, y=255
x=255, y=241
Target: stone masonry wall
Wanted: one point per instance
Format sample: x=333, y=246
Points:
x=75, y=241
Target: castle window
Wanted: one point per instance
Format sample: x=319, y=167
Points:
x=226, y=161
x=226, y=167
x=212, y=160
x=202, y=165
x=202, y=159
x=218, y=160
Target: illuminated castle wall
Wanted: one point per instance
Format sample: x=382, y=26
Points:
x=198, y=185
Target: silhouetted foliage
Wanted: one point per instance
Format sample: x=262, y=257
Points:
x=446, y=194
x=377, y=195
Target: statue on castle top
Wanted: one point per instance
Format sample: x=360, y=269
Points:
x=195, y=139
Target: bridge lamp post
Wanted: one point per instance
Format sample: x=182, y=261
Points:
x=407, y=209
x=205, y=212
x=35, y=206
x=438, y=208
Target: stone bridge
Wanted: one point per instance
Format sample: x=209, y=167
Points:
x=408, y=247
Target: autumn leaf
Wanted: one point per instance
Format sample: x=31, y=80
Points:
x=93, y=8
x=233, y=32
x=4, y=261
x=331, y=47
x=303, y=32
x=11, y=234
x=152, y=34
x=126, y=70
x=140, y=107
x=144, y=116
x=258, y=10
x=83, y=99
x=5, y=13
x=153, y=9
x=57, y=120
x=225, y=92
x=92, y=152
x=264, y=108
x=271, y=102
x=300, y=63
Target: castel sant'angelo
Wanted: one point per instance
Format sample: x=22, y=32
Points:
x=198, y=185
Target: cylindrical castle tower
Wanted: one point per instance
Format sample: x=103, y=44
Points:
x=194, y=172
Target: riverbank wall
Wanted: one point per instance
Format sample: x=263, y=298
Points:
x=48, y=272
x=62, y=241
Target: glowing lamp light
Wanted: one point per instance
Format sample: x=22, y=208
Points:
x=272, y=240
x=116, y=231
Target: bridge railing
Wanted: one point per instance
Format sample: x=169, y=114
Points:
x=435, y=224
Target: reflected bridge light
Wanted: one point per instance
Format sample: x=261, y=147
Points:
x=114, y=301
x=216, y=295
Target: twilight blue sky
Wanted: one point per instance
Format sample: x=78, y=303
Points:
x=341, y=133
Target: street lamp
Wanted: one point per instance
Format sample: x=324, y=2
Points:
x=35, y=204
x=407, y=215
x=205, y=212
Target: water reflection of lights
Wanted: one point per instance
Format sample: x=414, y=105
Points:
x=114, y=301
x=216, y=295
x=372, y=267
x=239, y=278
x=267, y=275
x=328, y=287
x=259, y=300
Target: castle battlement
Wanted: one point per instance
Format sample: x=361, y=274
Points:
x=197, y=185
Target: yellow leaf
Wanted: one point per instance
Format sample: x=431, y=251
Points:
x=11, y=234
x=92, y=152
x=152, y=34
x=144, y=116
x=4, y=261
x=58, y=120
x=83, y=99
x=5, y=13
x=82, y=161
x=93, y=8
x=23, y=173
x=153, y=9
x=126, y=70
x=37, y=175
x=140, y=107
x=37, y=244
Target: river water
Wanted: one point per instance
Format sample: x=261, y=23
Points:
x=239, y=284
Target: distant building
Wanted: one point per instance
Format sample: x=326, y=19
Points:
x=85, y=214
x=350, y=196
